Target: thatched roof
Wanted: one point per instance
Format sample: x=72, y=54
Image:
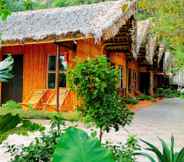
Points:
x=150, y=49
x=160, y=52
x=99, y=21
x=142, y=33
x=168, y=61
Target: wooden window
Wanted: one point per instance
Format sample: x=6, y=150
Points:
x=52, y=71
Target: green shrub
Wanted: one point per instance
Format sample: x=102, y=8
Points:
x=145, y=97
x=8, y=122
x=95, y=81
x=13, y=124
x=167, y=154
x=126, y=153
x=131, y=100
x=11, y=105
x=167, y=92
x=42, y=148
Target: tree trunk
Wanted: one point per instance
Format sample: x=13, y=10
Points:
x=101, y=134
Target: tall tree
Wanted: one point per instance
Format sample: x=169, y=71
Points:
x=168, y=23
x=95, y=82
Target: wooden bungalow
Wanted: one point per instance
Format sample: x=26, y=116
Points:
x=151, y=60
x=44, y=44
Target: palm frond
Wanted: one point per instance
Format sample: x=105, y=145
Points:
x=6, y=67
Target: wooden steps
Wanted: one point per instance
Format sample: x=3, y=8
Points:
x=45, y=99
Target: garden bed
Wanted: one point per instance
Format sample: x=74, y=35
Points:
x=144, y=103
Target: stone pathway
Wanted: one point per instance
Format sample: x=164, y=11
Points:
x=160, y=120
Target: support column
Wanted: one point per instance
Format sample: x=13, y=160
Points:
x=127, y=77
x=151, y=89
x=57, y=76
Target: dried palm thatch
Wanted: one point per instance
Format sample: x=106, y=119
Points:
x=142, y=33
x=150, y=49
x=168, y=61
x=160, y=52
x=99, y=21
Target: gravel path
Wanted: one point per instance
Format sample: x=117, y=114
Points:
x=162, y=119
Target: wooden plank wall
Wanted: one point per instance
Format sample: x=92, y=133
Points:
x=35, y=64
x=120, y=59
x=134, y=66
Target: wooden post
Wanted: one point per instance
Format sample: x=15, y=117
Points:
x=151, y=91
x=127, y=77
x=57, y=76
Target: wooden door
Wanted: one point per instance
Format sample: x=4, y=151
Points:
x=12, y=90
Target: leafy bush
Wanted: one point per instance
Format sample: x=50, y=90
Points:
x=11, y=105
x=13, y=124
x=8, y=122
x=167, y=155
x=167, y=92
x=131, y=100
x=145, y=97
x=75, y=145
x=95, y=82
x=42, y=148
x=126, y=153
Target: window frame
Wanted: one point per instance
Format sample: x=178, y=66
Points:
x=54, y=71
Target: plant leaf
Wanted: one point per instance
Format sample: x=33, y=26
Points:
x=146, y=155
x=153, y=149
x=180, y=156
x=76, y=146
x=166, y=151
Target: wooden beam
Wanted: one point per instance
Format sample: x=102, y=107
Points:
x=30, y=42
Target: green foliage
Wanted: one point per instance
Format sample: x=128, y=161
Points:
x=6, y=69
x=95, y=82
x=8, y=122
x=126, y=153
x=13, y=124
x=61, y=3
x=168, y=23
x=145, y=97
x=75, y=145
x=42, y=148
x=22, y=5
x=167, y=154
x=4, y=10
x=168, y=93
x=131, y=100
x=11, y=105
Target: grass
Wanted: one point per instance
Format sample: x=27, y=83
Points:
x=35, y=114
